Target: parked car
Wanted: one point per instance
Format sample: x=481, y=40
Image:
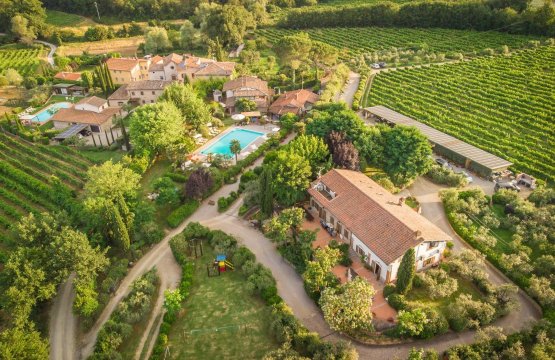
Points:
x=442, y=162
x=382, y=65
x=375, y=66
x=506, y=185
x=465, y=174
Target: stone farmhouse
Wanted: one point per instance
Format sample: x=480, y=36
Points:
x=296, y=102
x=138, y=92
x=245, y=87
x=376, y=224
x=92, y=112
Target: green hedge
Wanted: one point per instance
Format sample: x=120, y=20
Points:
x=177, y=216
x=360, y=92
x=225, y=202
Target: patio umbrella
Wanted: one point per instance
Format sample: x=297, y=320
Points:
x=238, y=117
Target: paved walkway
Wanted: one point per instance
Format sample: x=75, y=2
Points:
x=53, y=48
x=350, y=89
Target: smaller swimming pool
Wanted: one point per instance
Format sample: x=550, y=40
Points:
x=45, y=114
x=221, y=146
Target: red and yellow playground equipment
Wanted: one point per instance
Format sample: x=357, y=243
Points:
x=222, y=263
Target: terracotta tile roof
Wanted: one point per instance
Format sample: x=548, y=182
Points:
x=71, y=76
x=216, y=69
x=156, y=58
x=92, y=100
x=72, y=115
x=173, y=57
x=293, y=102
x=122, y=64
x=374, y=216
x=248, y=86
x=122, y=92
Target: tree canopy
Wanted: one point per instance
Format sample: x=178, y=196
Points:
x=154, y=128
x=193, y=109
x=111, y=180
x=291, y=176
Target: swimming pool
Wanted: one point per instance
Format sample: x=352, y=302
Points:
x=44, y=115
x=221, y=146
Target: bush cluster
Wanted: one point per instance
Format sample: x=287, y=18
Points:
x=360, y=91
x=177, y=216
x=131, y=310
x=225, y=202
x=442, y=175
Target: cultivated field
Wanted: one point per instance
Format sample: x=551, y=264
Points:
x=25, y=179
x=125, y=46
x=25, y=61
x=502, y=104
x=357, y=41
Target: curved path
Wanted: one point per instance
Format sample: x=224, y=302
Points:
x=53, y=48
x=289, y=283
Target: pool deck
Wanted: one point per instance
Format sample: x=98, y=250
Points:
x=265, y=129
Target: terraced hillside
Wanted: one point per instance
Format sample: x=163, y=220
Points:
x=27, y=183
x=502, y=104
x=25, y=61
x=359, y=41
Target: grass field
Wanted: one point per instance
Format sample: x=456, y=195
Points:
x=125, y=46
x=503, y=105
x=24, y=60
x=361, y=41
x=25, y=178
x=221, y=319
x=60, y=18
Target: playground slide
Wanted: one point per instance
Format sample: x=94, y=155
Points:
x=229, y=265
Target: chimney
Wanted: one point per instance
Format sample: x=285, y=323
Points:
x=417, y=234
x=401, y=201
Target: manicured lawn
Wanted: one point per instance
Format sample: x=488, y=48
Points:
x=60, y=18
x=221, y=319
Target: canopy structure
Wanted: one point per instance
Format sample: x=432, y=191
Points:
x=71, y=131
x=251, y=113
x=471, y=156
x=238, y=117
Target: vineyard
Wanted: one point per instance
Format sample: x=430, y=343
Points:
x=25, y=61
x=26, y=182
x=504, y=105
x=360, y=41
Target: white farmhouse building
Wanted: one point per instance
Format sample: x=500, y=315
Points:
x=376, y=224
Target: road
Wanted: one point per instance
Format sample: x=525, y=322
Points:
x=53, y=48
x=289, y=283
x=350, y=89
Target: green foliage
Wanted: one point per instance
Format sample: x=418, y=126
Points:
x=225, y=202
x=313, y=149
x=155, y=128
x=438, y=283
x=466, y=313
x=172, y=301
x=192, y=107
x=411, y=323
x=244, y=105
x=167, y=191
x=156, y=40
x=179, y=215
x=291, y=176
x=235, y=148
x=318, y=274
x=347, y=309
x=442, y=175
x=405, y=274
x=336, y=83
x=266, y=193
x=23, y=343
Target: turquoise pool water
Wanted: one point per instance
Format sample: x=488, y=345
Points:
x=221, y=146
x=44, y=115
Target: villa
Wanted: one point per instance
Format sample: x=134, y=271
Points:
x=91, y=112
x=245, y=87
x=138, y=92
x=189, y=68
x=376, y=224
x=126, y=70
x=296, y=102
x=68, y=76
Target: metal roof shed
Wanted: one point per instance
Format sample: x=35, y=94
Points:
x=472, y=157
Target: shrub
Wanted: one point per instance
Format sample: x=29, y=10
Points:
x=345, y=259
x=225, y=202
x=438, y=283
x=467, y=313
x=436, y=325
x=411, y=323
x=397, y=301
x=179, y=215
x=442, y=175
x=389, y=289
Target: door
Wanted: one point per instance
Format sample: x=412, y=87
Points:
x=377, y=271
x=340, y=229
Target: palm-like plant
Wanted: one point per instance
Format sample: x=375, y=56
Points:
x=235, y=147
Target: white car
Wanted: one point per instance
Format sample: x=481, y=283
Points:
x=465, y=174
x=375, y=66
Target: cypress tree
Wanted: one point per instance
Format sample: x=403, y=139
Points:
x=406, y=272
x=117, y=231
x=109, y=81
x=126, y=215
x=266, y=192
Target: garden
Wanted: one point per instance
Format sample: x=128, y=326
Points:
x=236, y=313
x=514, y=234
x=512, y=114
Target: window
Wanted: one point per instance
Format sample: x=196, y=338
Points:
x=360, y=251
x=142, y=92
x=143, y=102
x=429, y=261
x=432, y=244
x=161, y=78
x=172, y=67
x=153, y=93
x=132, y=93
x=151, y=101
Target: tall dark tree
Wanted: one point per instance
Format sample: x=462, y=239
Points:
x=406, y=272
x=266, y=192
x=198, y=184
x=344, y=153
